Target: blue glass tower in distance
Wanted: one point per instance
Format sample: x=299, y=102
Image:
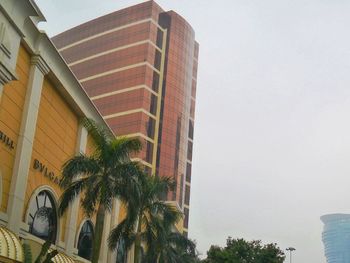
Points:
x=336, y=237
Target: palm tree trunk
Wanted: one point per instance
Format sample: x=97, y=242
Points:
x=137, y=250
x=96, y=246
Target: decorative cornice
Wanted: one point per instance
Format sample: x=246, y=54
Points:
x=39, y=62
x=6, y=74
x=5, y=43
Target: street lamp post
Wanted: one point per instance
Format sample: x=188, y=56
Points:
x=290, y=249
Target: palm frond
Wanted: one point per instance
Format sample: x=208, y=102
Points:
x=160, y=186
x=76, y=167
x=170, y=215
x=99, y=133
x=70, y=193
x=126, y=182
x=123, y=231
x=92, y=194
x=123, y=147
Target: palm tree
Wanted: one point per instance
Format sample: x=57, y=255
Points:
x=145, y=214
x=167, y=245
x=100, y=178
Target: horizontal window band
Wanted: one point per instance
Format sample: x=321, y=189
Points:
x=123, y=91
x=106, y=73
x=139, y=134
x=114, y=50
x=119, y=114
x=111, y=31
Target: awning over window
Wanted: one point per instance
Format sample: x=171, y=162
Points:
x=61, y=258
x=10, y=246
x=11, y=249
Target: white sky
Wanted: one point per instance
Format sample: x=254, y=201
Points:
x=272, y=134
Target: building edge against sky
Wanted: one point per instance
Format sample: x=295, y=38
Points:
x=139, y=67
x=336, y=237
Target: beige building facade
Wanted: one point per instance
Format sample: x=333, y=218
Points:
x=41, y=105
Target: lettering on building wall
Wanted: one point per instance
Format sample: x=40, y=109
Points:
x=7, y=141
x=39, y=166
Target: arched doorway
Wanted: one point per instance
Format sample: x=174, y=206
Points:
x=86, y=236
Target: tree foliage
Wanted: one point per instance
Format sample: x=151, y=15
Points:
x=150, y=221
x=100, y=178
x=241, y=251
x=169, y=246
x=45, y=255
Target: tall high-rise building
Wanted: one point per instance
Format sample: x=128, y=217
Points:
x=139, y=67
x=336, y=237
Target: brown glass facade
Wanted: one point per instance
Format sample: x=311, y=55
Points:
x=139, y=67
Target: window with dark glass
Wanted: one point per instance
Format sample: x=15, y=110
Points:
x=150, y=127
x=155, y=81
x=42, y=219
x=187, y=195
x=190, y=130
x=181, y=189
x=186, y=212
x=121, y=252
x=188, y=172
x=153, y=106
x=157, y=59
x=159, y=38
x=85, y=240
x=189, y=150
x=149, y=152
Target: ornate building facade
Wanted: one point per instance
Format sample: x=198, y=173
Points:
x=41, y=105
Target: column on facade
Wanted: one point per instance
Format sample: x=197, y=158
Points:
x=112, y=254
x=104, y=245
x=72, y=212
x=25, y=143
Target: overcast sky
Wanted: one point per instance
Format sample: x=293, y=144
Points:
x=272, y=134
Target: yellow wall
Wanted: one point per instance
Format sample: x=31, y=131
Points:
x=54, y=142
x=90, y=146
x=122, y=213
x=12, y=102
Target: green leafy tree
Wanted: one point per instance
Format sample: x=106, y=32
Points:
x=100, y=178
x=146, y=214
x=241, y=251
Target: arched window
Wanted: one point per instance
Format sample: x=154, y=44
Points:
x=121, y=252
x=85, y=240
x=42, y=218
